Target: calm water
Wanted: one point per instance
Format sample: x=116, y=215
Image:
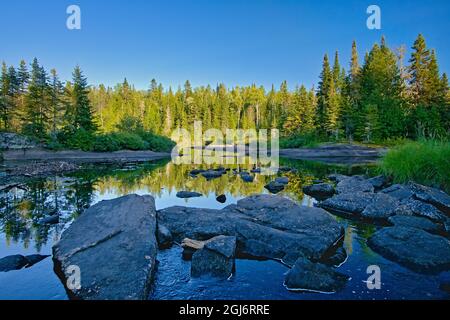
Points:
x=70, y=195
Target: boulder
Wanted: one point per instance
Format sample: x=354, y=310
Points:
x=114, y=245
x=337, y=258
x=415, y=222
x=282, y=180
x=188, y=194
x=319, y=191
x=348, y=203
x=398, y=191
x=382, y=206
x=436, y=197
x=337, y=177
x=247, y=178
x=216, y=258
x=274, y=187
x=417, y=208
x=34, y=258
x=316, y=277
x=378, y=182
x=164, y=237
x=277, y=223
x=13, y=141
x=222, y=198
x=354, y=184
x=14, y=262
x=190, y=246
x=211, y=174
x=413, y=248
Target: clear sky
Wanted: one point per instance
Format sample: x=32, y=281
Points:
x=210, y=41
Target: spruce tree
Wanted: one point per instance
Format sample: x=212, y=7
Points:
x=323, y=90
x=82, y=112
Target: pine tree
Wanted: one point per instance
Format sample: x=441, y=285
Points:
x=56, y=91
x=323, y=90
x=82, y=111
x=418, y=70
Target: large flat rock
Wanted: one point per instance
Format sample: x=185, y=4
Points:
x=114, y=245
x=264, y=225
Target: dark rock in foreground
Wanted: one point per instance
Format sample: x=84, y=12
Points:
x=354, y=184
x=378, y=182
x=114, y=245
x=418, y=208
x=320, y=191
x=222, y=198
x=216, y=258
x=188, y=194
x=436, y=197
x=17, y=262
x=415, y=222
x=164, y=237
x=316, y=277
x=274, y=187
x=413, y=248
x=398, y=191
x=382, y=206
x=265, y=226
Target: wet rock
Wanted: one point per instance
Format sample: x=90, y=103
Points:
x=14, y=262
x=164, y=237
x=222, y=198
x=257, y=249
x=354, y=184
x=413, y=248
x=195, y=172
x=114, y=245
x=379, y=182
x=382, y=206
x=436, y=197
x=35, y=258
x=337, y=258
x=216, y=258
x=398, y=191
x=188, y=194
x=211, y=174
x=337, y=177
x=415, y=222
x=274, y=187
x=417, y=208
x=309, y=276
x=282, y=180
x=256, y=170
x=282, y=225
x=247, y=178
x=320, y=191
x=50, y=220
x=348, y=203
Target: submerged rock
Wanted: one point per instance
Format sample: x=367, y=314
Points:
x=274, y=187
x=216, y=258
x=222, y=198
x=278, y=225
x=114, y=245
x=188, y=194
x=316, y=277
x=412, y=248
x=337, y=258
x=319, y=191
x=415, y=222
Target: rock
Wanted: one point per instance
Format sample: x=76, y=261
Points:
x=319, y=191
x=354, y=184
x=414, y=207
x=382, y=206
x=196, y=171
x=50, y=220
x=398, y=191
x=378, y=182
x=272, y=226
x=433, y=196
x=43, y=168
x=337, y=177
x=415, y=222
x=348, y=203
x=211, y=174
x=247, y=177
x=256, y=170
x=13, y=141
x=316, y=277
x=222, y=198
x=412, y=248
x=14, y=262
x=216, y=258
x=164, y=237
x=114, y=245
x=282, y=180
x=337, y=258
x=188, y=194
x=445, y=286
x=34, y=258
x=274, y=187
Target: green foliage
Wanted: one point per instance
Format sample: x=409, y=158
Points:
x=80, y=139
x=106, y=143
x=129, y=141
x=302, y=140
x=426, y=162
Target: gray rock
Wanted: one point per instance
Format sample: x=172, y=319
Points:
x=379, y=182
x=337, y=177
x=282, y=180
x=14, y=262
x=211, y=174
x=382, y=206
x=337, y=258
x=13, y=141
x=216, y=258
x=316, y=277
x=320, y=191
x=282, y=225
x=256, y=170
x=188, y=194
x=196, y=171
x=274, y=187
x=354, y=184
x=412, y=248
x=414, y=207
x=398, y=191
x=434, y=196
x=114, y=245
x=247, y=178
x=415, y=222
x=35, y=258
x=222, y=198
x=164, y=237
x=348, y=203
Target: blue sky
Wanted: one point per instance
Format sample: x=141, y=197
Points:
x=210, y=41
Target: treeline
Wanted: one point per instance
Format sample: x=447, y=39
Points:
x=381, y=99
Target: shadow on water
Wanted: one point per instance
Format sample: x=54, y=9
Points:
x=22, y=231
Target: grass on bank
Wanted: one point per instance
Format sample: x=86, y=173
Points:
x=426, y=162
